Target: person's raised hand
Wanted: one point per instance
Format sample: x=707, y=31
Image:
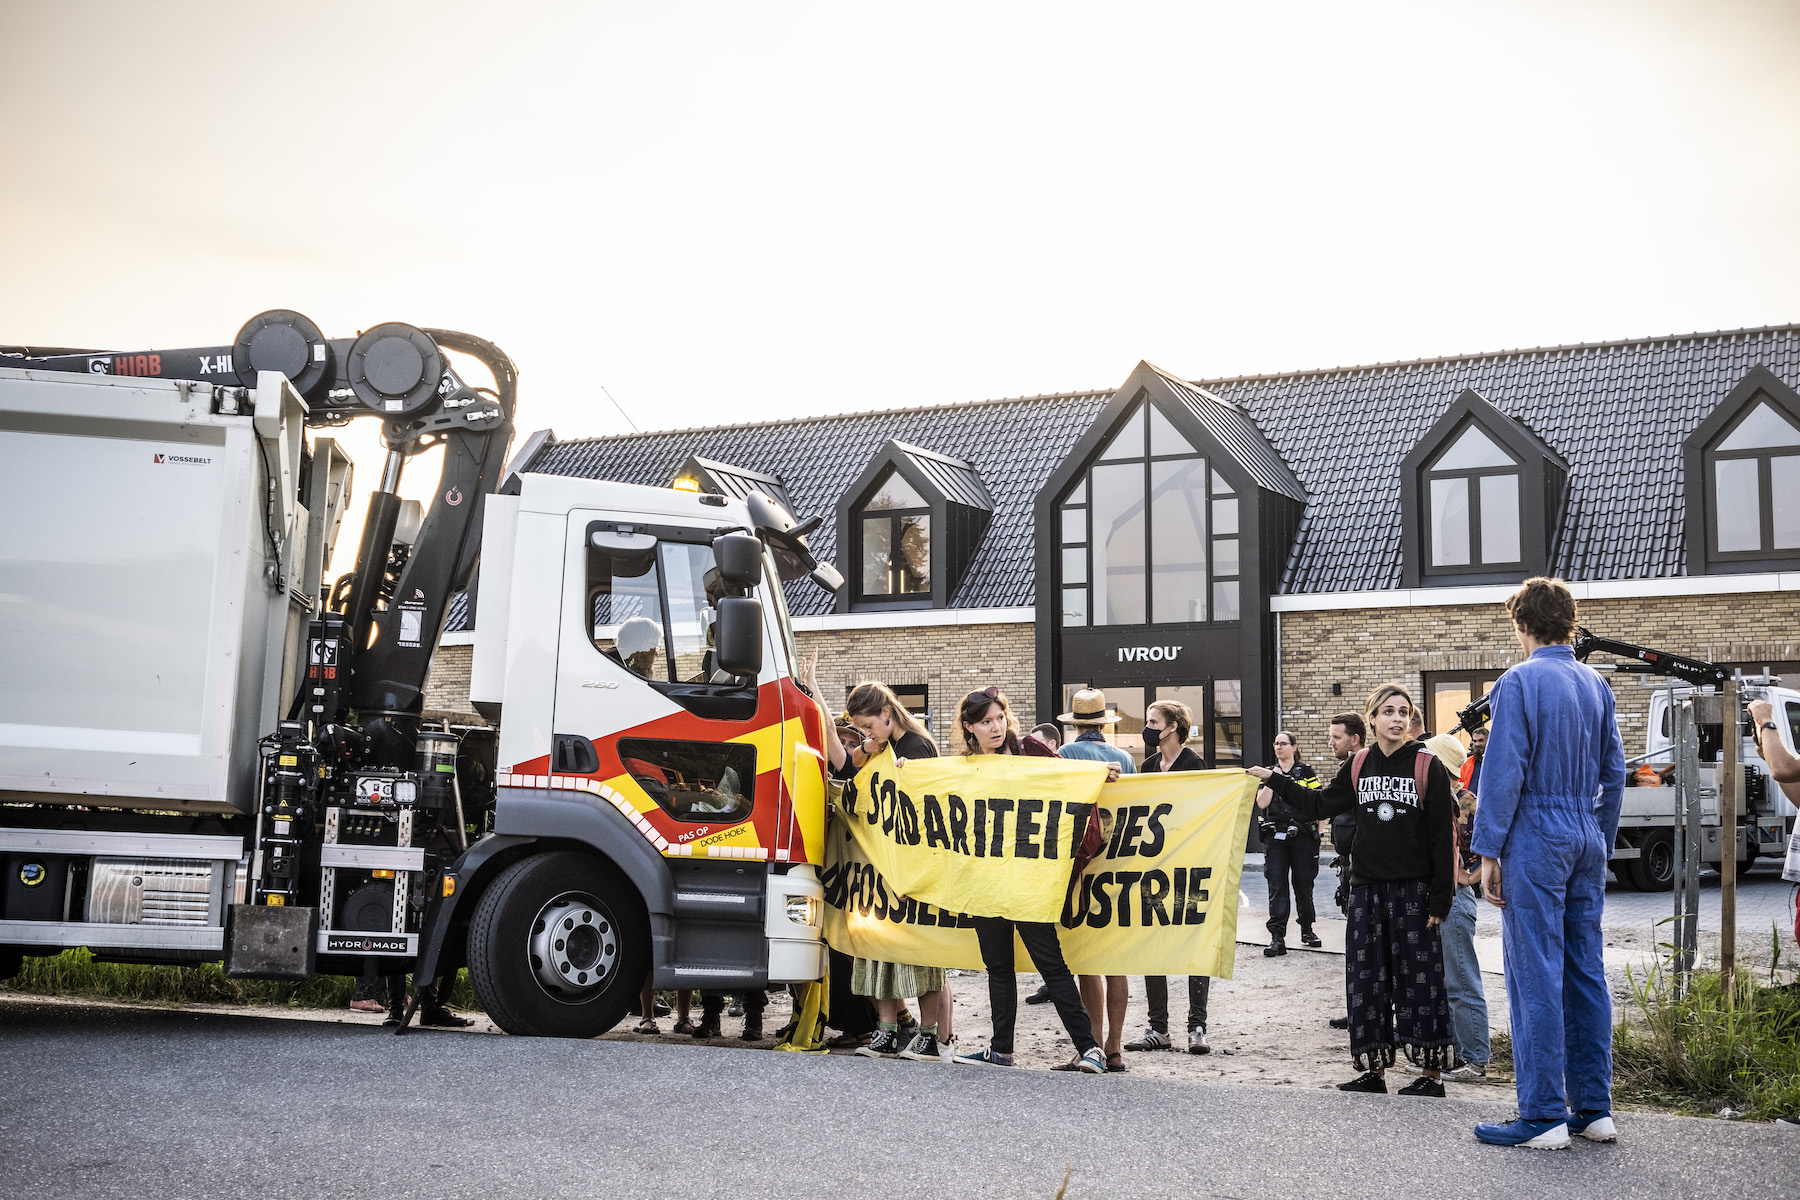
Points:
x=1259, y=772
x=1112, y=772
x=1490, y=882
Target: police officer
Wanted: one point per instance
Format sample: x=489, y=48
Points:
x=1290, y=852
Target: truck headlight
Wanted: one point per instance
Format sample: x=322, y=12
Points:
x=803, y=910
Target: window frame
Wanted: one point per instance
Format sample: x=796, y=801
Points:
x=1138, y=412
x=896, y=517
x=1473, y=475
x=1699, y=534
x=1765, y=492
x=1474, y=677
x=1543, y=491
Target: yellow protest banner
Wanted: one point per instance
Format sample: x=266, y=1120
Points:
x=1159, y=899
x=987, y=834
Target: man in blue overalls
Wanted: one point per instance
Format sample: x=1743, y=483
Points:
x=1552, y=783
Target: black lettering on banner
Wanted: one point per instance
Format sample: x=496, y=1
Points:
x=1102, y=917
x=1078, y=817
x=980, y=829
x=1152, y=891
x=874, y=799
x=935, y=832
x=1180, y=893
x=881, y=899
x=1190, y=908
x=1115, y=826
x=927, y=915
x=1052, y=828
x=1026, y=828
x=888, y=804
x=959, y=824
x=832, y=880
x=1151, y=849
x=998, y=807
x=901, y=913
x=1126, y=879
x=1134, y=829
x=906, y=822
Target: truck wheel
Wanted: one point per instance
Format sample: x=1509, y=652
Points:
x=558, y=947
x=1654, y=868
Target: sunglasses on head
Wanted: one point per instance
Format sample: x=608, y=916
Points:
x=986, y=693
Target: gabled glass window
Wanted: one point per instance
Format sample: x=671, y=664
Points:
x=1753, y=473
x=1149, y=534
x=1472, y=515
x=895, y=531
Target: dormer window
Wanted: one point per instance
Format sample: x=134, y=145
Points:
x=896, y=541
x=1755, y=482
x=1483, y=497
x=1472, y=505
x=910, y=526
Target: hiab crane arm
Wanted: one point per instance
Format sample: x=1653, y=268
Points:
x=399, y=373
x=1645, y=662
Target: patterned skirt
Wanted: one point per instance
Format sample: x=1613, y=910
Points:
x=1394, y=978
x=893, y=981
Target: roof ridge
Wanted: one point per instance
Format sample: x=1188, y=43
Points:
x=862, y=412
x=1487, y=354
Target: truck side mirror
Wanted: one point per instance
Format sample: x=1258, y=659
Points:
x=738, y=635
x=739, y=559
x=827, y=577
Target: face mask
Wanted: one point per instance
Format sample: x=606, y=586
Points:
x=1152, y=738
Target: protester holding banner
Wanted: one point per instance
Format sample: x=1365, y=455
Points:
x=1105, y=997
x=883, y=721
x=1166, y=728
x=1401, y=890
x=987, y=726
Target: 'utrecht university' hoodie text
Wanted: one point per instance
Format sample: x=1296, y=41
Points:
x=1397, y=837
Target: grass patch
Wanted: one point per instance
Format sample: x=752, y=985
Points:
x=1694, y=1055
x=75, y=973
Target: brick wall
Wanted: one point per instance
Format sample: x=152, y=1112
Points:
x=1362, y=648
x=950, y=660
x=447, y=686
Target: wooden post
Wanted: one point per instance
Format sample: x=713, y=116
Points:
x=1730, y=778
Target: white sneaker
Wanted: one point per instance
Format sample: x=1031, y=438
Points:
x=1151, y=1039
x=1467, y=1073
x=1197, y=1041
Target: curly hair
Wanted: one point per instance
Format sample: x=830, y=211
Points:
x=1544, y=608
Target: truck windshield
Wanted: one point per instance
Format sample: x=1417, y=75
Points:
x=653, y=610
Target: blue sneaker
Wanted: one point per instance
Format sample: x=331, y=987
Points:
x=1594, y=1126
x=984, y=1057
x=1539, y=1135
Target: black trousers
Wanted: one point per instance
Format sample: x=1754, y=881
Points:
x=996, y=937
x=1156, y=991
x=850, y=1013
x=712, y=1004
x=1296, y=859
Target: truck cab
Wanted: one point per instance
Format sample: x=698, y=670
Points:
x=688, y=783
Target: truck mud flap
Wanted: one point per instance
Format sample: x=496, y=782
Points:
x=263, y=942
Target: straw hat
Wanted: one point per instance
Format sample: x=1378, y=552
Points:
x=1449, y=751
x=1089, y=708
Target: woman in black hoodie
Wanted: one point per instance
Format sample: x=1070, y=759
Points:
x=1401, y=886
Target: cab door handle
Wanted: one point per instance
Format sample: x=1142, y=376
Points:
x=572, y=754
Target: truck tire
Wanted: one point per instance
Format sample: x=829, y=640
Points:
x=1653, y=870
x=558, y=947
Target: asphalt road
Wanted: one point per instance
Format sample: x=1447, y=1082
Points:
x=137, y=1103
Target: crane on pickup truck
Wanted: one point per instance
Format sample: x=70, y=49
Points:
x=1644, y=855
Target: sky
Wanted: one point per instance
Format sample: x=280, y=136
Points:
x=725, y=212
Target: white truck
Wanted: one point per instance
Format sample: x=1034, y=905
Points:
x=1643, y=857
x=207, y=754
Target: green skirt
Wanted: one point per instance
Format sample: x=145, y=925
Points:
x=893, y=981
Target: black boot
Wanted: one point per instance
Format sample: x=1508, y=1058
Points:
x=1275, y=949
x=1309, y=938
x=753, y=1030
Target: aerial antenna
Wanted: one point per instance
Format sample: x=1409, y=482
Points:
x=622, y=411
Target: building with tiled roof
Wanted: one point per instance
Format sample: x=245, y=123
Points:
x=1266, y=548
